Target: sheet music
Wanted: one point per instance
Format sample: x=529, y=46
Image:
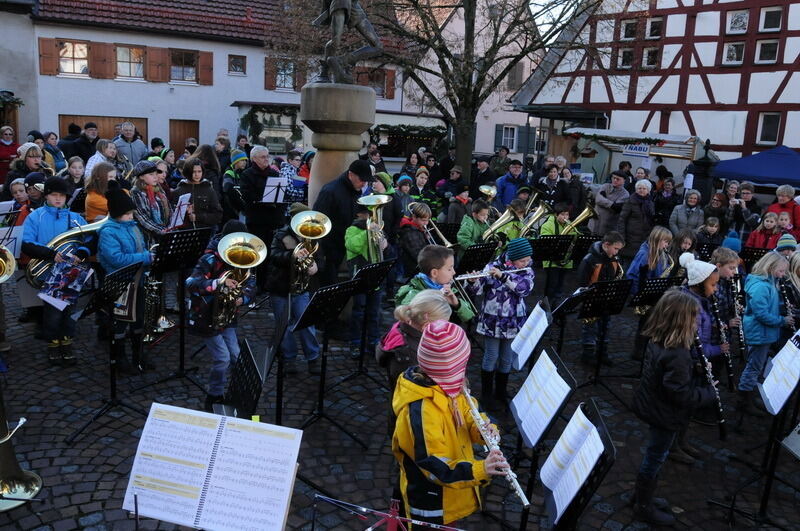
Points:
x=529, y=335
x=198, y=469
x=73, y=196
x=275, y=189
x=6, y=206
x=539, y=399
x=782, y=375
x=571, y=460
x=11, y=238
x=176, y=220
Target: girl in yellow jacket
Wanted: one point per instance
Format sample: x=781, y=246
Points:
x=434, y=434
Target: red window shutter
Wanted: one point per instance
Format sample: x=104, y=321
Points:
x=389, y=76
x=270, y=74
x=205, y=63
x=157, y=64
x=362, y=75
x=102, y=62
x=300, y=73
x=48, y=57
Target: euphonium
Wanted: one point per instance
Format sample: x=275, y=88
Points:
x=65, y=243
x=491, y=233
x=490, y=192
x=587, y=213
x=8, y=264
x=543, y=210
x=18, y=484
x=242, y=251
x=374, y=202
x=155, y=320
x=309, y=225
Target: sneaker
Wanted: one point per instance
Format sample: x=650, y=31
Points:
x=313, y=366
x=54, y=353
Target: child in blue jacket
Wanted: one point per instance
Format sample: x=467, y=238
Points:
x=40, y=227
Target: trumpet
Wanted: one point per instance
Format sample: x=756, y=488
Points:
x=492, y=443
x=473, y=276
x=309, y=226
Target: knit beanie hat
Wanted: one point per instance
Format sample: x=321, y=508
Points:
x=164, y=152
x=386, y=180
x=404, y=178
x=732, y=242
x=423, y=169
x=35, y=135
x=696, y=270
x=786, y=242
x=55, y=185
x=443, y=354
x=518, y=248
x=237, y=155
x=119, y=202
x=156, y=142
x=24, y=148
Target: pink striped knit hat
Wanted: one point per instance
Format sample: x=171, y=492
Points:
x=443, y=354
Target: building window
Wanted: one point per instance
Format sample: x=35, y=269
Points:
x=768, y=125
x=737, y=22
x=515, y=75
x=237, y=64
x=628, y=31
x=770, y=19
x=626, y=58
x=654, y=27
x=766, y=52
x=510, y=137
x=130, y=62
x=284, y=74
x=377, y=80
x=733, y=53
x=650, y=58
x=73, y=58
x=183, y=66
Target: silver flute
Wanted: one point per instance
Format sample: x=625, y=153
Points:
x=493, y=443
x=487, y=273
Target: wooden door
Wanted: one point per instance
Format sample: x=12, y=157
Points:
x=9, y=115
x=179, y=131
x=105, y=124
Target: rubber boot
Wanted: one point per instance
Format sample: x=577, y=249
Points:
x=54, y=352
x=67, y=355
x=643, y=507
x=677, y=454
x=500, y=391
x=124, y=365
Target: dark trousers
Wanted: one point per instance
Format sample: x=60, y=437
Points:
x=553, y=283
x=658, y=445
x=265, y=232
x=57, y=324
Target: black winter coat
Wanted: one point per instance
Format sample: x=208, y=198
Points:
x=664, y=207
x=552, y=195
x=412, y=240
x=577, y=196
x=477, y=180
x=252, y=185
x=84, y=148
x=207, y=208
x=596, y=266
x=667, y=392
x=282, y=262
x=337, y=200
x=635, y=222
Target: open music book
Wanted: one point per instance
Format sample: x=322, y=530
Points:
x=571, y=460
x=529, y=335
x=782, y=374
x=206, y=471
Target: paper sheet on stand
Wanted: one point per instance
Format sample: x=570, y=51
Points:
x=782, y=374
x=539, y=399
x=274, y=189
x=529, y=335
x=176, y=220
x=203, y=470
x=571, y=460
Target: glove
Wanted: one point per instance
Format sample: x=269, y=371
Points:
x=603, y=193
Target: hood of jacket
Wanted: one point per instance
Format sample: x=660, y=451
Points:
x=413, y=386
x=754, y=281
x=408, y=222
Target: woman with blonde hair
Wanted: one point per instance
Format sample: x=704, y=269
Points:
x=667, y=394
x=397, y=350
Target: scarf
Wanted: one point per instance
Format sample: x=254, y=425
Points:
x=430, y=284
x=462, y=200
x=153, y=203
x=6, y=142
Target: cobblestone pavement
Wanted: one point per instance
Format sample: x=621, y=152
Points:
x=85, y=483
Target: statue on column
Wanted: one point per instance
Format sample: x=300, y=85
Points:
x=341, y=14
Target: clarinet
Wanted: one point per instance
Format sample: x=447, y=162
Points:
x=738, y=311
x=723, y=339
x=710, y=378
x=785, y=296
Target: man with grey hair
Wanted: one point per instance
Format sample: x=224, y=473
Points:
x=130, y=146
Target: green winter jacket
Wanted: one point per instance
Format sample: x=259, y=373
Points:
x=470, y=233
x=415, y=285
x=549, y=228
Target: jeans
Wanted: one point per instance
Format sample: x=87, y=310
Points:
x=308, y=336
x=391, y=278
x=590, y=332
x=656, y=452
x=494, y=348
x=553, y=283
x=756, y=358
x=224, y=348
x=57, y=324
x=370, y=303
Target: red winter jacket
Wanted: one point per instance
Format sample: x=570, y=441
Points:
x=763, y=239
x=791, y=207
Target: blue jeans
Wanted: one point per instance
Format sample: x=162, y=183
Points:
x=224, y=348
x=308, y=336
x=553, y=283
x=756, y=358
x=657, y=451
x=370, y=303
x=57, y=324
x=494, y=348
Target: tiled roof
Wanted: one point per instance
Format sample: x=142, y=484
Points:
x=225, y=20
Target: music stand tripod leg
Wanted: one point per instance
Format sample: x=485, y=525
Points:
x=362, y=369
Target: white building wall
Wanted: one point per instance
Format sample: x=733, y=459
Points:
x=722, y=127
x=792, y=127
x=18, y=72
x=763, y=85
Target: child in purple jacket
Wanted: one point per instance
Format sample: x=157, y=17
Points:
x=502, y=315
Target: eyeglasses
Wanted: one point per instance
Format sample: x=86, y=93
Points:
x=8, y=133
x=34, y=156
x=162, y=172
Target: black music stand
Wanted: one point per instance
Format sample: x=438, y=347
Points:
x=751, y=255
x=275, y=353
x=569, y=520
x=449, y=231
x=114, y=285
x=603, y=300
x=247, y=383
x=325, y=306
x=551, y=247
x=582, y=244
x=178, y=251
x=476, y=257
x=370, y=278
x=704, y=250
x=536, y=446
x=566, y=307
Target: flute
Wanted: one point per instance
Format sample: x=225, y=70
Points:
x=710, y=378
x=492, y=443
x=723, y=339
x=487, y=273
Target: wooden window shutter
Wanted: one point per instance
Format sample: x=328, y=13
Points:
x=300, y=73
x=390, y=82
x=362, y=75
x=102, y=62
x=270, y=73
x=498, y=136
x=205, y=71
x=48, y=57
x=157, y=64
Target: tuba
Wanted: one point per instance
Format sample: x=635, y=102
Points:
x=542, y=210
x=38, y=271
x=8, y=264
x=242, y=251
x=309, y=226
x=16, y=484
x=586, y=214
x=489, y=192
x=491, y=234
x=374, y=203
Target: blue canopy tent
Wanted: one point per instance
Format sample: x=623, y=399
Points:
x=779, y=165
